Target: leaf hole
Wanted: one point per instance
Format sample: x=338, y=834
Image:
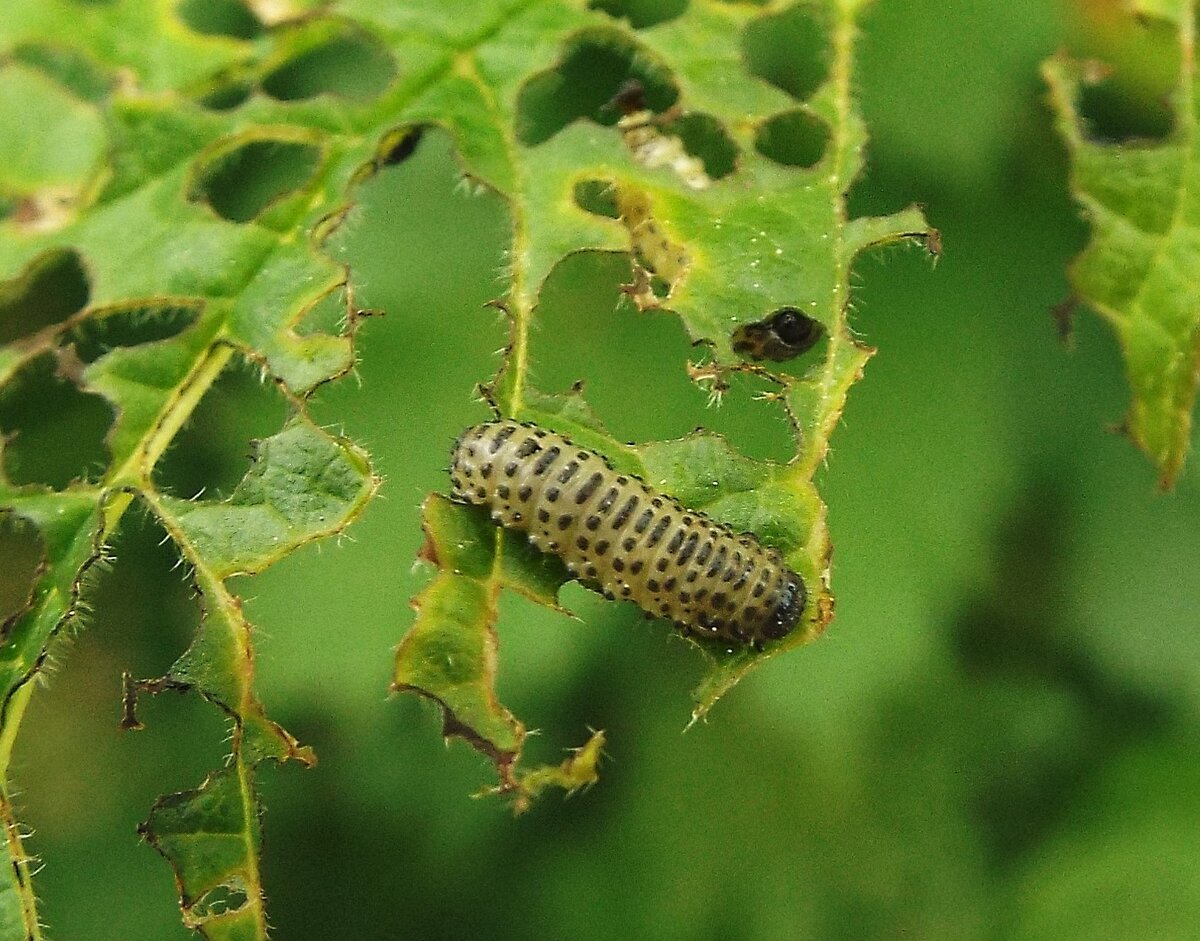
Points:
x=704, y=137
x=218, y=901
x=795, y=138
x=633, y=363
x=220, y=18
x=641, y=14
x=213, y=452
x=52, y=288
x=593, y=69
x=106, y=328
x=226, y=96
x=239, y=183
x=331, y=59
x=24, y=552
x=789, y=49
x=55, y=431
x=1115, y=113
x=597, y=197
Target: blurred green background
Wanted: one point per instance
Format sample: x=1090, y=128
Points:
x=997, y=738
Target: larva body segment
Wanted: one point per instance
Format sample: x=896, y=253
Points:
x=624, y=538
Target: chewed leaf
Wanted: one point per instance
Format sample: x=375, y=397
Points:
x=729, y=198
x=211, y=838
x=449, y=654
x=1141, y=271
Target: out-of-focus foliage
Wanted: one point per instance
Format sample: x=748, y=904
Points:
x=1142, y=268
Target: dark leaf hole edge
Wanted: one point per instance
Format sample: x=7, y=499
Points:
x=240, y=179
x=594, y=66
x=212, y=453
x=230, y=18
x=53, y=431
x=53, y=288
x=795, y=138
x=641, y=14
x=329, y=57
x=790, y=49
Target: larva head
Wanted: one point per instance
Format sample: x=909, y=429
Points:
x=786, y=615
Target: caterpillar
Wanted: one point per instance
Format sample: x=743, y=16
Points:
x=625, y=539
x=784, y=335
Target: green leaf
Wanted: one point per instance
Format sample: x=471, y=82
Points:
x=142, y=277
x=1141, y=270
x=727, y=252
x=174, y=180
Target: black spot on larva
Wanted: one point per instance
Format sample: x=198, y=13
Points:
x=504, y=434
x=589, y=488
x=609, y=499
x=545, y=459
x=552, y=470
x=625, y=512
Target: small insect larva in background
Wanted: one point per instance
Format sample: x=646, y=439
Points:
x=784, y=335
x=625, y=539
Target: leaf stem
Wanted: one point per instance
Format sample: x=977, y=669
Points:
x=21, y=869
